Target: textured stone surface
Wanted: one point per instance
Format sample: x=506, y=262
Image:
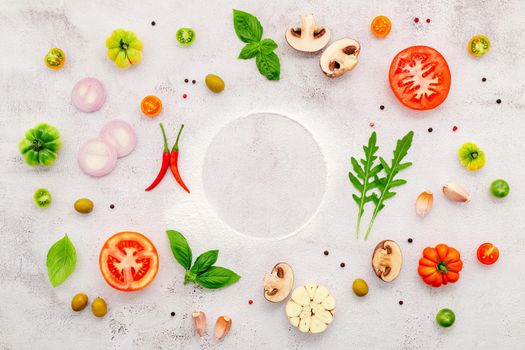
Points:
x=488, y=301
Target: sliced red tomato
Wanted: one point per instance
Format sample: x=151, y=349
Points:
x=488, y=253
x=419, y=77
x=128, y=261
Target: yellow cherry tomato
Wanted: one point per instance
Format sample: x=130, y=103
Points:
x=55, y=58
x=478, y=45
x=381, y=26
x=151, y=106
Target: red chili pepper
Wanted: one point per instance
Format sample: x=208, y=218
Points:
x=174, y=158
x=165, y=162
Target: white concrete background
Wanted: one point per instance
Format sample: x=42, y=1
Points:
x=488, y=301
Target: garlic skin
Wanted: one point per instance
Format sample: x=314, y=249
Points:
x=199, y=320
x=456, y=192
x=222, y=327
x=424, y=203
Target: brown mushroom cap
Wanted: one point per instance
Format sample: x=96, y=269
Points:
x=308, y=37
x=279, y=283
x=340, y=57
x=387, y=260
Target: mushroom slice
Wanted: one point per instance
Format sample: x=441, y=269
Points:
x=308, y=37
x=340, y=57
x=279, y=283
x=387, y=260
x=311, y=308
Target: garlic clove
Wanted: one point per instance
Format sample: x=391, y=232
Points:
x=456, y=192
x=199, y=320
x=424, y=203
x=222, y=327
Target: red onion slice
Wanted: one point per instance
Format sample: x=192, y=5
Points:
x=120, y=135
x=88, y=95
x=97, y=158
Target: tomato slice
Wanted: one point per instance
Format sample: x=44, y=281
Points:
x=128, y=261
x=151, y=106
x=419, y=77
x=488, y=253
x=478, y=45
x=381, y=26
x=55, y=58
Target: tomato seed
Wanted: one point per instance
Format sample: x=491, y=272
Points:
x=416, y=20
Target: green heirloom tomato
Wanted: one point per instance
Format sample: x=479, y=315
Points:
x=40, y=145
x=500, y=188
x=124, y=48
x=445, y=318
x=471, y=156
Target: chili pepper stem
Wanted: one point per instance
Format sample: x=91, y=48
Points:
x=166, y=148
x=176, y=146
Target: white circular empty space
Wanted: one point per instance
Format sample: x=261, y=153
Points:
x=264, y=175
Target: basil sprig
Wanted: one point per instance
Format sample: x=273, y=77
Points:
x=61, y=261
x=202, y=272
x=249, y=30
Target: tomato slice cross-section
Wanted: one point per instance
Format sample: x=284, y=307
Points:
x=419, y=77
x=128, y=261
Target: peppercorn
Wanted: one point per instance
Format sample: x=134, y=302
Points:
x=193, y=81
x=455, y=128
x=250, y=301
x=381, y=107
x=400, y=302
x=326, y=252
x=153, y=23
x=112, y=206
x=428, y=20
x=172, y=314
x=483, y=79
x=184, y=95
x=416, y=20
x=410, y=240
x=342, y=264
x=186, y=80
x=430, y=129
x=498, y=101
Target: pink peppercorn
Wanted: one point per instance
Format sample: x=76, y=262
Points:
x=416, y=20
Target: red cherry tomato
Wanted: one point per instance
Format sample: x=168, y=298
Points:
x=488, y=253
x=128, y=261
x=419, y=77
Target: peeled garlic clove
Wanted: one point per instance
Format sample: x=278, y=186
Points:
x=199, y=320
x=424, y=203
x=222, y=327
x=456, y=192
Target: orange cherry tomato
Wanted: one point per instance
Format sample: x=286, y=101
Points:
x=151, y=106
x=128, y=261
x=381, y=26
x=488, y=253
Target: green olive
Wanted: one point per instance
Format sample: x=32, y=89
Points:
x=84, y=205
x=79, y=302
x=360, y=287
x=214, y=83
x=99, y=307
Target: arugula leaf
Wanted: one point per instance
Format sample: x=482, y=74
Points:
x=247, y=27
x=204, y=261
x=268, y=46
x=386, y=183
x=61, y=261
x=363, y=179
x=249, y=51
x=180, y=248
x=268, y=65
x=217, y=277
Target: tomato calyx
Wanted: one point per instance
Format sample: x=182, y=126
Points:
x=442, y=267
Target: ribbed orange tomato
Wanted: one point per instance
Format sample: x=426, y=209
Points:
x=440, y=265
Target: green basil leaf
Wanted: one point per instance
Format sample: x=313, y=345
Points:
x=61, y=261
x=269, y=65
x=249, y=51
x=217, y=277
x=268, y=45
x=204, y=261
x=247, y=27
x=180, y=248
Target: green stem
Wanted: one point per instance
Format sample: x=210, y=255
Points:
x=166, y=148
x=358, y=226
x=371, y=223
x=176, y=146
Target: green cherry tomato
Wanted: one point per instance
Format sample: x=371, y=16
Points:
x=445, y=318
x=478, y=45
x=42, y=198
x=499, y=188
x=185, y=36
